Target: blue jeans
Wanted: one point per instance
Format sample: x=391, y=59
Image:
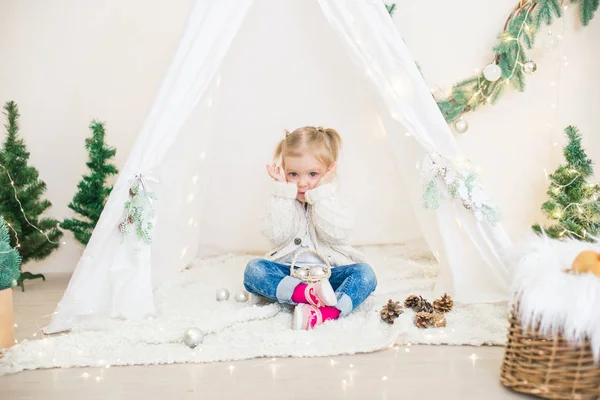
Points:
x=352, y=283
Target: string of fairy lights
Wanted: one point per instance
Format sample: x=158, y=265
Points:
x=530, y=68
x=16, y=197
x=556, y=188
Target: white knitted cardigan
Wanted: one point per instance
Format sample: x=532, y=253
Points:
x=327, y=220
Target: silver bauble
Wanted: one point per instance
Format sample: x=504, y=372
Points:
x=302, y=272
x=192, y=337
x=222, y=294
x=529, y=67
x=461, y=125
x=492, y=72
x=437, y=93
x=241, y=296
x=316, y=271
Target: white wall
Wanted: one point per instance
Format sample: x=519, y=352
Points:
x=66, y=62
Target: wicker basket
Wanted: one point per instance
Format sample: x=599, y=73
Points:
x=548, y=367
x=310, y=274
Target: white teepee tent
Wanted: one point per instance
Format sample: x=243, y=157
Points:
x=244, y=71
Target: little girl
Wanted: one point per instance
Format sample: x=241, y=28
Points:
x=305, y=213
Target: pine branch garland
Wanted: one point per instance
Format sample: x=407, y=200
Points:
x=587, y=8
x=517, y=36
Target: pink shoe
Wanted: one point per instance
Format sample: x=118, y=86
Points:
x=322, y=291
x=306, y=317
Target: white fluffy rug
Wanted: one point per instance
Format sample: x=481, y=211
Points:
x=236, y=331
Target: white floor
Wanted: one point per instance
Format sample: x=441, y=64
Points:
x=426, y=372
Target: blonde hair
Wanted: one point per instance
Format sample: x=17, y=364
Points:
x=323, y=143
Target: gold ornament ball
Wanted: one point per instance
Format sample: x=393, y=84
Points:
x=492, y=72
x=587, y=261
x=461, y=125
x=192, y=337
x=529, y=67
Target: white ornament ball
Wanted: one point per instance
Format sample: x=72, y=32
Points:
x=529, y=67
x=492, y=72
x=302, y=272
x=14, y=283
x=192, y=337
x=317, y=271
x=437, y=93
x=461, y=125
x=222, y=294
x=241, y=297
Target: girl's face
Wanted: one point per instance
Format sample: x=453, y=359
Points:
x=305, y=171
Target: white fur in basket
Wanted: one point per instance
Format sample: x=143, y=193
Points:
x=555, y=299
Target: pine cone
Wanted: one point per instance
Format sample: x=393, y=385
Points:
x=122, y=227
x=130, y=219
x=444, y=304
x=423, y=319
x=390, y=311
x=412, y=301
x=438, y=320
x=424, y=306
x=131, y=193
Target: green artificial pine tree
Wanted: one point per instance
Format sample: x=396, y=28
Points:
x=10, y=260
x=93, y=191
x=573, y=203
x=21, y=204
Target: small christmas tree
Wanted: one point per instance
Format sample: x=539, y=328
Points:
x=10, y=260
x=573, y=200
x=93, y=191
x=21, y=204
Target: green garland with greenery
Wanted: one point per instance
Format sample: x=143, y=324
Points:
x=510, y=54
x=516, y=38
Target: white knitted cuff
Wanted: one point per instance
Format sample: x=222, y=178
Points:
x=285, y=190
x=320, y=193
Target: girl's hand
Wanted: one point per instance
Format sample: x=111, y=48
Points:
x=329, y=175
x=276, y=173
